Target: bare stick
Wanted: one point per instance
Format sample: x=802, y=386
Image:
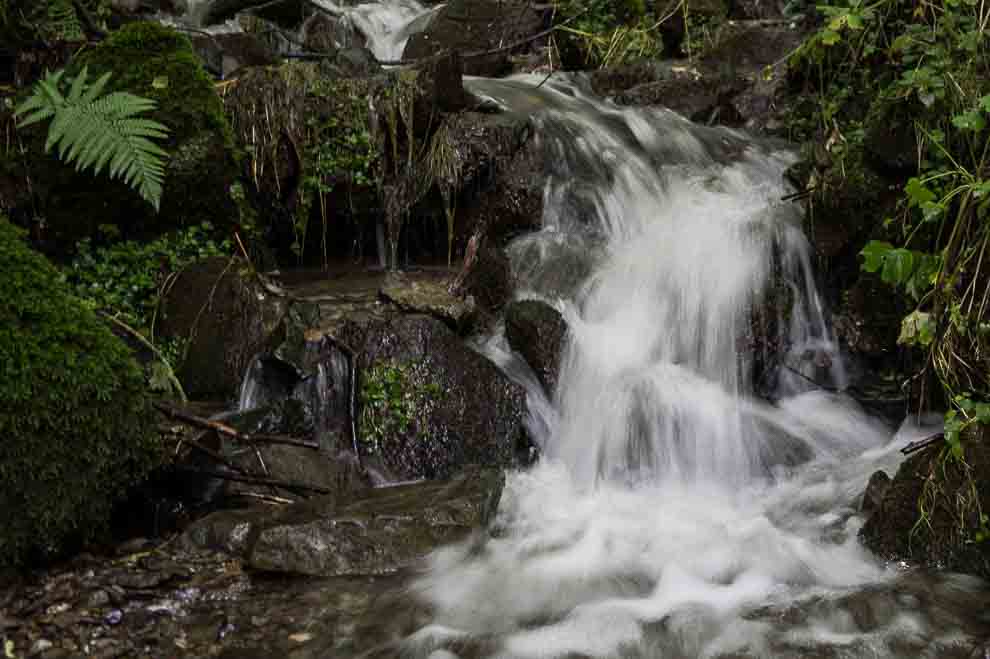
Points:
x=232, y=433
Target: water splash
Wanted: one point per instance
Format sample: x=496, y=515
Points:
x=675, y=513
x=387, y=25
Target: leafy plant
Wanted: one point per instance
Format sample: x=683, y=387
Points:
x=904, y=85
x=392, y=403
x=76, y=425
x=607, y=33
x=126, y=280
x=95, y=131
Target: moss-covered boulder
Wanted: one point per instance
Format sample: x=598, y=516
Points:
x=158, y=63
x=222, y=315
x=75, y=427
x=935, y=510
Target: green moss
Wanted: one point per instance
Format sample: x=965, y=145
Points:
x=394, y=403
x=158, y=63
x=77, y=429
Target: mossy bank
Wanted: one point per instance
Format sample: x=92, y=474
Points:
x=75, y=427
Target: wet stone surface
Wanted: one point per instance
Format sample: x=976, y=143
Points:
x=182, y=600
x=171, y=603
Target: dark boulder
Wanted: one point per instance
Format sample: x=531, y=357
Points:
x=225, y=53
x=701, y=99
x=224, y=316
x=931, y=511
x=489, y=279
x=500, y=178
x=537, y=331
x=876, y=488
x=475, y=26
x=428, y=404
x=385, y=530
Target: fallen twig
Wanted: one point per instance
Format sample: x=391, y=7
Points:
x=232, y=433
x=923, y=443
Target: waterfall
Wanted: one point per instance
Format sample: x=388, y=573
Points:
x=387, y=25
x=674, y=512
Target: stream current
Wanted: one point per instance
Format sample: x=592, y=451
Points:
x=674, y=513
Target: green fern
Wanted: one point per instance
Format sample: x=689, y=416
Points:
x=95, y=131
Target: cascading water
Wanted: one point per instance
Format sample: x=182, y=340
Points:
x=673, y=513
x=387, y=25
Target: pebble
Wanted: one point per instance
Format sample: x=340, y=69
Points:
x=40, y=646
x=114, y=617
x=98, y=598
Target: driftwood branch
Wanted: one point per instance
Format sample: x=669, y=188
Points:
x=923, y=443
x=227, y=431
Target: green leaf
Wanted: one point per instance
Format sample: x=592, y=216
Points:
x=917, y=328
x=91, y=131
x=971, y=120
x=830, y=37
x=874, y=254
x=917, y=192
x=897, y=266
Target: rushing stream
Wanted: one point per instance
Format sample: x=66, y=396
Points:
x=674, y=513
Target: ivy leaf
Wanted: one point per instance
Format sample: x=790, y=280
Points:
x=897, y=266
x=830, y=37
x=917, y=192
x=985, y=103
x=931, y=210
x=854, y=21
x=917, y=328
x=971, y=120
x=874, y=254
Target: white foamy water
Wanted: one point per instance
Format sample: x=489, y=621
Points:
x=386, y=25
x=675, y=514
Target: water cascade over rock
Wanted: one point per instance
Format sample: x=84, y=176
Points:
x=675, y=513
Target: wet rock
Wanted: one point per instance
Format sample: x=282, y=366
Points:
x=489, y=279
x=876, y=488
x=500, y=178
x=611, y=80
x=428, y=404
x=322, y=33
x=947, y=496
x=701, y=99
x=868, y=320
x=472, y=26
x=226, y=317
x=430, y=296
x=228, y=531
x=391, y=529
x=537, y=331
x=225, y=53
x=295, y=464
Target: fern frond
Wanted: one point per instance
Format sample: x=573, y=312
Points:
x=93, y=131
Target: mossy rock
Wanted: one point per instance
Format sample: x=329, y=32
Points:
x=75, y=427
x=931, y=511
x=158, y=63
